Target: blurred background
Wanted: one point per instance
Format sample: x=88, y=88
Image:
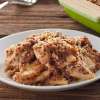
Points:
x=44, y=14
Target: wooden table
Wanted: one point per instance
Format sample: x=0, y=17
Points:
x=45, y=14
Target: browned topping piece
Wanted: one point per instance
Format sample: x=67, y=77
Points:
x=97, y=2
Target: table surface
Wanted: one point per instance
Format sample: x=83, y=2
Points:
x=44, y=14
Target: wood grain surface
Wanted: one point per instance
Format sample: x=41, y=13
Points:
x=44, y=14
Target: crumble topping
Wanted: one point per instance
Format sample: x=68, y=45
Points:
x=51, y=58
x=97, y=2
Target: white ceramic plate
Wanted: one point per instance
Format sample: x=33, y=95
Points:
x=15, y=38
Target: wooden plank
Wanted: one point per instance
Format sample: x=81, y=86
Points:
x=89, y=92
x=38, y=16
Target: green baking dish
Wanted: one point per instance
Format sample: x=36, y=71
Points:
x=82, y=18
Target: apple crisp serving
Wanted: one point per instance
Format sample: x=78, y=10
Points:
x=52, y=59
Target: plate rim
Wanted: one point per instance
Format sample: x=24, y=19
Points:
x=48, y=88
x=22, y=32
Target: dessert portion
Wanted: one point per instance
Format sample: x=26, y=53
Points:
x=52, y=59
